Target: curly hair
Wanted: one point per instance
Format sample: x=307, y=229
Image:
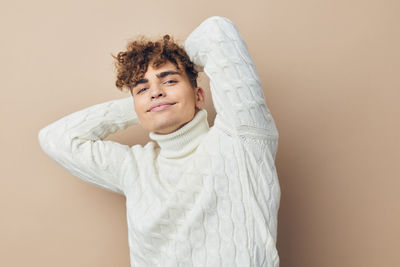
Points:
x=132, y=64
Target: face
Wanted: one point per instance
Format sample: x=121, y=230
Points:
x=165, y=100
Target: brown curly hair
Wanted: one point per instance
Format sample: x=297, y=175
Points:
x=131, y=65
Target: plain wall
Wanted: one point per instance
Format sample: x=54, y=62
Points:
x=330, y=74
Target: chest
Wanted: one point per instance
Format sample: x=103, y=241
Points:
x=172, y=188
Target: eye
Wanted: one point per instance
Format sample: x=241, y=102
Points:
x=141, y=90
x=171, y=82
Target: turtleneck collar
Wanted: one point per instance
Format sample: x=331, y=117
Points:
x=184, y=140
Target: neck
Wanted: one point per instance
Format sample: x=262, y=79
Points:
x=185, y=140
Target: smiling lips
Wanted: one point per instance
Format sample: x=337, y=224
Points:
x=160, y=106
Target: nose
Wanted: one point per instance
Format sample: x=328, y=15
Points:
x=157, y=92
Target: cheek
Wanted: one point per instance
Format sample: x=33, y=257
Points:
x=139, y=105
x=187, y=97
x=140, y=109
x=189, y=106
x=191, y=101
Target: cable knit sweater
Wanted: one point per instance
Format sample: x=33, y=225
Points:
x=204, y=196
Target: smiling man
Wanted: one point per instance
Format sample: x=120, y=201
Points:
x=165, y=99
x=205, y=196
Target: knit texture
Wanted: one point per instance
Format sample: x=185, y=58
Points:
x=204, y=196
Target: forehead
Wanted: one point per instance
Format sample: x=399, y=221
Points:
x=151, y=70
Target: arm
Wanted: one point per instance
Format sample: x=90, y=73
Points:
x=75, y=142
x=217, y=46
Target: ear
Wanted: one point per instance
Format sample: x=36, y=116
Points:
x=199, y=94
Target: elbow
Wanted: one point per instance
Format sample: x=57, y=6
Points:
x=219, y=19
x=48, y=141
x=42, y=138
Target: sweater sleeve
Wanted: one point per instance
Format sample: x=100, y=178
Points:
x=75, y=142
x=217, y=47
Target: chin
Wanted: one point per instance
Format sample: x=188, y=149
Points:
x=170, y=127
x=165, y=128
x=168, y=124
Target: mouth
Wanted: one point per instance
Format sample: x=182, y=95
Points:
x=160, y=106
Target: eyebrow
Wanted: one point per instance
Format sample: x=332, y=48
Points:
x=159, y=75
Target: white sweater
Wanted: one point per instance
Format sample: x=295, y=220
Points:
x=206, y=196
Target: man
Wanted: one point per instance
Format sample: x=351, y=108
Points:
x=204, y=196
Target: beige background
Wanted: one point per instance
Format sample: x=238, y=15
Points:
x=330, y=73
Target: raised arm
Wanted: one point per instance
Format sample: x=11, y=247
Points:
x=217, y=46
x=75, y=142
